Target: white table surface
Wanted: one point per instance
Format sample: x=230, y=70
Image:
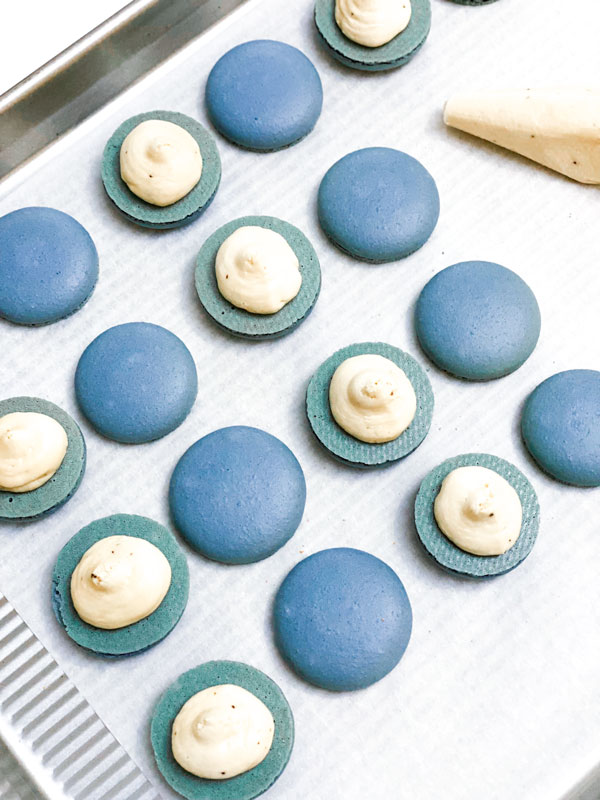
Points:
x=34, y=31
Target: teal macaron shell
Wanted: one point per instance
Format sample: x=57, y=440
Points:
x=183, y=211
x=241, y=787
x=67, y=478
x=344, y=446
x=240, y=322
x=446, y=553
x=394, y=53
x=140, y=635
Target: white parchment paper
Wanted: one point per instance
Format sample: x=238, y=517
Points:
x=497, y=695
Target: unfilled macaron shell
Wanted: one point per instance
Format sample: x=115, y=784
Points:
x=67, y=478
x=342, y=619
x=136, y=382
x=240, y=322
x=561, y=426
x=378, y=204
x=477, y=320
x=264, y=95
x=140, y=635
x=48, y=266
x=183, y=211
x=237, y=495
x=344, y=446
x=249, y=784
x=394, y=53
x=446, y=553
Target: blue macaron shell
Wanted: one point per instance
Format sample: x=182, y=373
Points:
x=477, y=320
x=378, y=204
x=136, y=382
x=48, y=266
x=561, y=426
x=342, y=619
x=237, y=495
x=264, y=95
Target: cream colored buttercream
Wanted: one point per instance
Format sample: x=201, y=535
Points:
x=32, y=448
x=371, y=398
x=119, y=580
x=160, y=162
x=557, y=127
x=257, y=270
x=479, y=511
x=372, y=23
x=221, y=732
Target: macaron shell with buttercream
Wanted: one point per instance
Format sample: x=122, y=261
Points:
x=65, y=481
x=177, y=214
x=342, y=445
x=395, y=53
x=450, y=557
x=140, y=635
x=249, y=784
x=240, y=322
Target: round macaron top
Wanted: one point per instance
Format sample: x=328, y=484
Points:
x=446, y=553
x=477, y=320
x=136, y=382
x=561, y=426
x=264, y=95
x=378, y=204
x=342, y=619
x=140, y=635
x=394, y=53
x=240, y=322
x=237, y=495
x=341, y=444
x=247, y=785
x=67, y=478
x=185, y=210
x=48, y=265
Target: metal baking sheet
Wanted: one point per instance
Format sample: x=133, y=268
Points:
x=497, y=695
x=53, y=746
x=77, y=82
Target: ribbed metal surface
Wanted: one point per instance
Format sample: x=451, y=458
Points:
x=63, y=748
